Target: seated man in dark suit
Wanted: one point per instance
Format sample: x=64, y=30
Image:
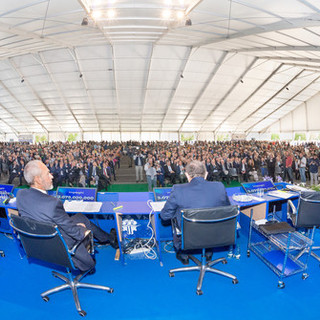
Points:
x=198, y=193
x=36, y=204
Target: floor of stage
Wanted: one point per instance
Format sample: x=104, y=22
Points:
x=143, y=290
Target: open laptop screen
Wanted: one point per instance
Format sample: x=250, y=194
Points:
x=252, y=187
x=161, y=194
x=69, y=193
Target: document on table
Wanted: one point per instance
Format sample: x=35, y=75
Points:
x=281, y=194
x=157, y=206
x=82, y=206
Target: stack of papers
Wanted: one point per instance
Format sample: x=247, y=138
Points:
x=296, y=188
x=281, y=194
x=82, y=206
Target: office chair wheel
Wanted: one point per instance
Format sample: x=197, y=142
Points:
x=248, y=253
x=224, y=261
x=2, y=254
x=82, y=313
x=45, y=298
x=235, y=281
x=281, y=285
x=171, y=274
x=305, y=276
x=111, y=290
x=199, y=292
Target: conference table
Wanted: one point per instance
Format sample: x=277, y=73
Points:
x=115, y=213
x=121, y=210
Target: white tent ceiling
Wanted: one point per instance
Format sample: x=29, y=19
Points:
x=239, y=67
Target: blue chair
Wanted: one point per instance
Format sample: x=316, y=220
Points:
x=44, y=242
x=205, y=229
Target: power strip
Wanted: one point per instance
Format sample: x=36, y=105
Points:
x=139, y=250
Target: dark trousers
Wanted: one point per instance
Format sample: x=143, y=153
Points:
x=82, y=259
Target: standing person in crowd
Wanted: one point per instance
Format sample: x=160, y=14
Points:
x=278, y=167
x=244, y=170
x=151, y=174
x=288, y=166
x=263, y=167
x=138, y=162
x=302, y=167
x=271, y=163
x=313, y=169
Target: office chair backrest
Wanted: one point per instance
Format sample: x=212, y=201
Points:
x=42, y=241
x=209, y=227
x=309, y=210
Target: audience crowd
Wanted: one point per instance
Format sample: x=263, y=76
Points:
x=94, y=163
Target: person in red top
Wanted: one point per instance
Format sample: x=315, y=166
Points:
x=288, y=167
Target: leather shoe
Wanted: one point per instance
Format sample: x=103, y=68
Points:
x=183, y=258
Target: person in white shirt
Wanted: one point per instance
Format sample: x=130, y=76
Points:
x=302, y=167
x=151, y=174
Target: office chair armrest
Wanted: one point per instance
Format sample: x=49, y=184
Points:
x=32, y=234
x=88, y=235
x=292, y=207
x=293, y=210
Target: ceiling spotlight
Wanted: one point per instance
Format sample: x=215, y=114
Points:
x=96, y=14
x=85, y=21
x=80, y=75
x=188, y=22
x=166, y=14
x=181, y=76
x=22, y=80
x=111, y=13
x=180, y=15
x=241, y=80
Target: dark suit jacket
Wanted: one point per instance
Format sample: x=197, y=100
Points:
x=199, y=193
x=36, y=205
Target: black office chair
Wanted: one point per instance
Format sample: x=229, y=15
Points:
x=43, y=241
x=207, y=228
x=306, y=216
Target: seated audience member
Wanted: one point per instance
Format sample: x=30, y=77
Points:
x=36, y=204
x=198, y=193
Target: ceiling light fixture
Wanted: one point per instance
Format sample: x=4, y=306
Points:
x=96, y=14
x=111, y=13
x=166, y=14
x=180, y=15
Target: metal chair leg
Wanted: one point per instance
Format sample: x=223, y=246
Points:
x=203, y=267
x=73, y=284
